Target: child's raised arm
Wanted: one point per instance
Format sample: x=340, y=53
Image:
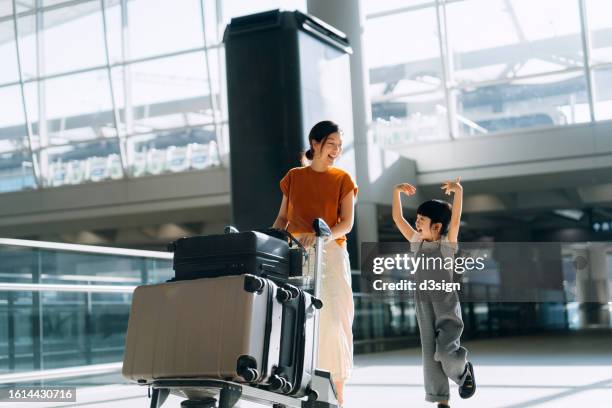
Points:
x=398, y=216
x=456, y=188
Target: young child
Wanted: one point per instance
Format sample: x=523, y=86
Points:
x=439, y=314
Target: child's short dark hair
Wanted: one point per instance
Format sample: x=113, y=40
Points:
x=438, y=211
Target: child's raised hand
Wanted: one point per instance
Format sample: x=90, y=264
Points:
x=452, y=186
x=406, y=188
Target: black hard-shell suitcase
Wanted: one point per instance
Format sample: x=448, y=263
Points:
x=249, y=252
x=295, y=366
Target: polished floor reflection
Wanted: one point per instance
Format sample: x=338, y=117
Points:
x=561, y=371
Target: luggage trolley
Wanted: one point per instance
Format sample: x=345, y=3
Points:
x=217, y=393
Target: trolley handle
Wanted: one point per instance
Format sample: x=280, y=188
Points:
x=321, y=228
x=322, y=232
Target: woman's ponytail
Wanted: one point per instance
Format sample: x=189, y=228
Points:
x=307, y=157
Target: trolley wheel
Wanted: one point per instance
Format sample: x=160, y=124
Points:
x=229, y=396
x=313, y=395
x=159, y=396
x=205, y=403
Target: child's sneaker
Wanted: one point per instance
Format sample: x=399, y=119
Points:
x=469, y=384
x=443, y=406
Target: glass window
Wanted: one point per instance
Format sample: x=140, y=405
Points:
x=502, y=39
x=16, y=172
x=26, y=30
x=379, y=6
x=558, y=99
x=158, y=27
x=13, y=134
x=173, y=151
x=403, y=38
x=77, y=108
x=8, y=53
x=213, y=29
x=6, y=8
x=73, y=38
x=600, y=25
x=404, y=54
x=82, y=163
x=411, y=119
x=406, y=75
x=112, y=11
x=47, y=3
x=602, y=85
x=237, y=8
x=23, y=5
x=165, y=93
x=30, y=91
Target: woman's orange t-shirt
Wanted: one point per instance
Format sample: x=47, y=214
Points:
x=312, y=194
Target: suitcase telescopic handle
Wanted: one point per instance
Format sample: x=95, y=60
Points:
x=323, y=232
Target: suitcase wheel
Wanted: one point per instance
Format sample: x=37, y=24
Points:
x=295, y=292
x=283, y=295
x=247, y=368
x=249, y=374
x=253, y=284
x=287, y=387
x=317, y=303
x=277, y=383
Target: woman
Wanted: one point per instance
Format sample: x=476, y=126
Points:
x=320, y=190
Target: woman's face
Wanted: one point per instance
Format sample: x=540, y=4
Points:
x=328, y=151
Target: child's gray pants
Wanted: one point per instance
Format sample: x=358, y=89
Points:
x=440, y=327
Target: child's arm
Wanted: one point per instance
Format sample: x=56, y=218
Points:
x=457, y=189
x=398, y=217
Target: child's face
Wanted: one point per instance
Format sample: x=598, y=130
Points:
x=428, y=231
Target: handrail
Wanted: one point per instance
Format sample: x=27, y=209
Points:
x=91, y=249
x=42, y=287
x=70, y=372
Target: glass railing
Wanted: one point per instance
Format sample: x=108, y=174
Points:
x=389, y=322
x=64, y=310
x=64, y=305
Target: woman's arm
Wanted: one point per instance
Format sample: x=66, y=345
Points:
x=347, y=217
x=455, y=188
x=281, y=219
x=398, y=216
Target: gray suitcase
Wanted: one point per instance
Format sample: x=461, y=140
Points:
x=227, y=328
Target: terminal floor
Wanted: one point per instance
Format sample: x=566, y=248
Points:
x=560, y=371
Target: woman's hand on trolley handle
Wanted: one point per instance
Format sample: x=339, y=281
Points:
x=308, y=239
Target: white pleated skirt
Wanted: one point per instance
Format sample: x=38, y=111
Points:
x=336, y=316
